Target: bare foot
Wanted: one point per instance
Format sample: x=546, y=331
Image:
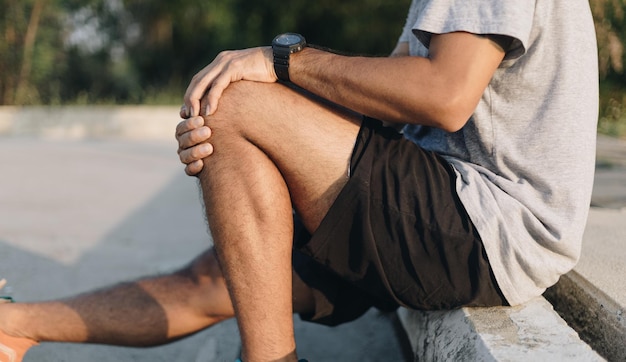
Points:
x=12, y=349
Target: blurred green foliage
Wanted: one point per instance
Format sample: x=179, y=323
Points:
x=609, y=16
x=145, y=51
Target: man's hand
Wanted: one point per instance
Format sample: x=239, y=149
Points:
x=255, y=64
x=193, y=146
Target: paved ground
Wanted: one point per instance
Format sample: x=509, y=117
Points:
x=78, y=213
x=610, y=183
x=604, y=251
x=75, y=215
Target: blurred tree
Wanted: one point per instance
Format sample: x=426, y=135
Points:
x=179, y=37
x=22, y=64
x=23, y=79
x=173, y=39
x=32, y=49
x=611, y=34
x=130, y=51
x=134, y=51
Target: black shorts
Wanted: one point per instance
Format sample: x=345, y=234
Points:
x=397, y=235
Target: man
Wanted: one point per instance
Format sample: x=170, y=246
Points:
x=481, y=202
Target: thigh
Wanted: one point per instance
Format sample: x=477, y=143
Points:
x=398, y=231
x=309, y=140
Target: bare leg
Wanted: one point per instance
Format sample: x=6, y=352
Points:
x=274, y=148
x=197, y=295
x=147, y=312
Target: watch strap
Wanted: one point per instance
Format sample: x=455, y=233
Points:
x=281, y=65
x=283, y=46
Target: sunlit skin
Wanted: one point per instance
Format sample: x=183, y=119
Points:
x=252, y=179
x=437, y=91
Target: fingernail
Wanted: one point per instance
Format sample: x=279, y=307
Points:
x=206, y=149
x=208, y=110
x=192, y=112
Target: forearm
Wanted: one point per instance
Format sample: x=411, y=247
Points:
x=438, y=91
x=401, y=50
x=359, y=84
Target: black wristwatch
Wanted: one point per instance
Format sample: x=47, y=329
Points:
x=283, y=46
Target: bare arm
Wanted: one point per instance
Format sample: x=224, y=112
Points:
x=401, y=50
x=441, y=90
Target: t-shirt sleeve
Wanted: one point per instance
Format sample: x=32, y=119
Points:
x=407, y=31
x=511, y=18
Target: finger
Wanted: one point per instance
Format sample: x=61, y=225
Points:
x=194, y=137
x=194, y=168
x=195, y=153
x=189, y=125
x=191, y=100
x=199, y=84
x=194, y=106
x=214, y=94
x=183, y=112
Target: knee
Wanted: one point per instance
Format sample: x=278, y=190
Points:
x=235, y=106
x=207, y=290
x=234, y=126
x=203, y=275
x=203, y=270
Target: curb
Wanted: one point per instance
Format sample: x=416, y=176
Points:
x=89, y=122
x=599, y=320
x=531, y=331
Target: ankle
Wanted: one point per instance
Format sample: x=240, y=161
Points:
x=5, y=317
x=10, y=322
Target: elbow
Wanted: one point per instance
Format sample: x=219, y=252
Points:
x=451, y=112
x=447, y=105
x=452, y=124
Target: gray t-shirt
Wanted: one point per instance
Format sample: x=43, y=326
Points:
x=525, y=159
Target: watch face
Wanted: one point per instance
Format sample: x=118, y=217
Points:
x=288, y=39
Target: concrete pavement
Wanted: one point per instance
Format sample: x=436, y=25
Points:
x=80, y=214
x=92, y=196
x=592, y=297
x=609, y=189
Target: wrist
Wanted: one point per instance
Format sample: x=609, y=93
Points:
x=283, y=47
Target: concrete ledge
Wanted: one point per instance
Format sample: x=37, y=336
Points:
x=81, y=122
x=532, y=331
x=597, y=317
x=592, y=297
